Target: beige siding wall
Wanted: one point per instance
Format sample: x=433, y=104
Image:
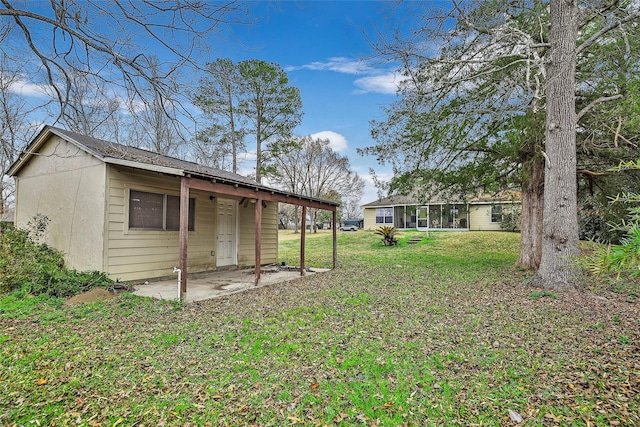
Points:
x=68, y=186
x=143, y=254
x=480, y=218
x=247, y=235
x=370, y=219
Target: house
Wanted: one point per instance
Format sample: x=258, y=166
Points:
x=133, y=213
x=406, y=213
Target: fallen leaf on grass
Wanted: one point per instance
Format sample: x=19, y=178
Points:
x=362, y=418
x=341, y=416
x=43, y=381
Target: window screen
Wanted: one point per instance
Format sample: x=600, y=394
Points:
x=384, y=216
x=153, y=211
x=146, y=210
x=496, y=213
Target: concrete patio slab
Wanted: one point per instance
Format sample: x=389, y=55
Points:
x=203, y=286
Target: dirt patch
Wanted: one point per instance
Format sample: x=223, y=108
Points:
x=95, y=294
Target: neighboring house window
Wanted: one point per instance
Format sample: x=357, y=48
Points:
x=496, y=213
x=384, y=216
x=154, y=211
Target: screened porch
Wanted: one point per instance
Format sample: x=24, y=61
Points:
x=435, y=216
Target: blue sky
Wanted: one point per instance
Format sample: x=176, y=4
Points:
x=321, y=46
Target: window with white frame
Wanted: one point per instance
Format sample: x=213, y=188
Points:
x=157, y=211
x=496, y=213
x=384, y=216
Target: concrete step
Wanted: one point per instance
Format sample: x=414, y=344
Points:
x=414, y=240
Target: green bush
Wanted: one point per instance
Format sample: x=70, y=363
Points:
x=512, y=219
x=600, y=222
x=39, y=269
x=623, y=259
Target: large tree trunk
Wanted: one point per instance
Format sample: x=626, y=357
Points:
x=234, y=143
x=1, y=197
x=532, y=208
x=259, y=151
x=560, y=220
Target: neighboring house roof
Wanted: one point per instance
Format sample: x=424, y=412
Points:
x=399, y=200
x=391, y=201
x=508, y=196
x=118, y=154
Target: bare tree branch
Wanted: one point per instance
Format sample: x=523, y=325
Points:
x=109, y=40
x=595, y=102
x=606, y=29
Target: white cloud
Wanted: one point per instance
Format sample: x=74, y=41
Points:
x=337, y=142
x=248, y=156
x=382, y=83
x=370, y=189
x=338, y=64
x=372, y=80
x=24, y=88
x=128, y=107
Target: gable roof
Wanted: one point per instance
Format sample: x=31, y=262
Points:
x=118, y=154
x=112, y=152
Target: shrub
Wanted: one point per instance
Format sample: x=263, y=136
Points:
x=512, y=219
x=620, y=259
x=388, y=235
x=597, y=221
x=38, y=268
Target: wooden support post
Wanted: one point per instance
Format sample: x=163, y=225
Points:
x=302, y=238
x=184, y=234
x=258, y=239
x=335, y=240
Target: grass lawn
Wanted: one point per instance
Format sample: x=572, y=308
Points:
x=438, y=333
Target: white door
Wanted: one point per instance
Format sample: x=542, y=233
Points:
x=226, y=224
x=422, y=218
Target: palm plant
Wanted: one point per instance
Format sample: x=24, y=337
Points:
x=388, y=235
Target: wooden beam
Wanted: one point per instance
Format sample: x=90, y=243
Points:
x=302, y=238
x=258, y=239
x=255, y=193
x=335, y=240
x=184, y=234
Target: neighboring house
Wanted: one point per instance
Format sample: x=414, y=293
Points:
x=403, y=212
x=130, y=212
